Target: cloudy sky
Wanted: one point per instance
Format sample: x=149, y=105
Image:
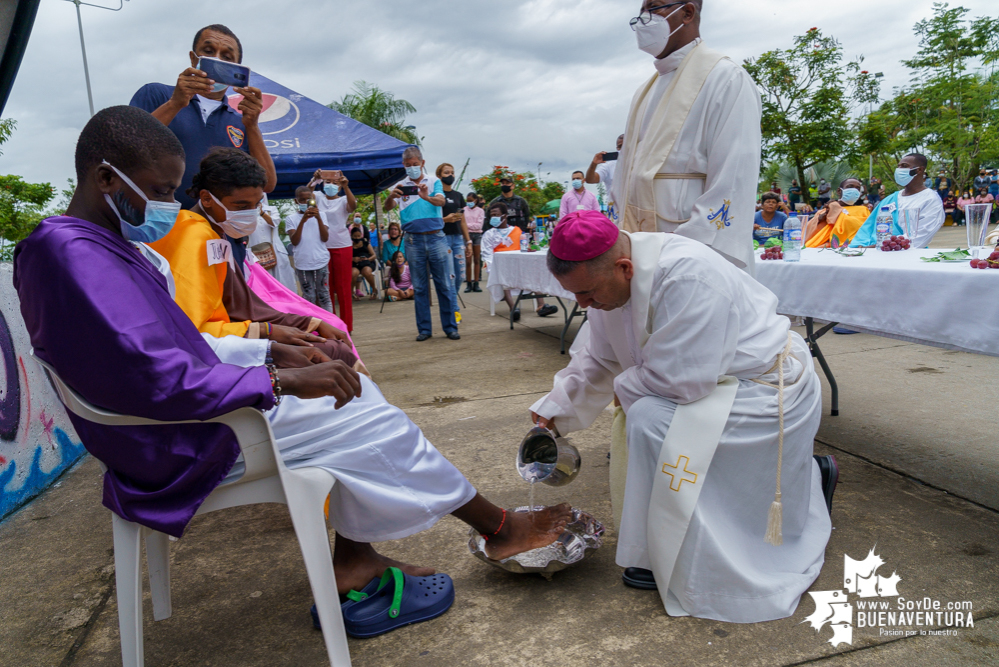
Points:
x=511, y=83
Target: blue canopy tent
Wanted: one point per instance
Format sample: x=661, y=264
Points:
x=303, y=135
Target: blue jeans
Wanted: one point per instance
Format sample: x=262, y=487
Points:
x=457, y=244
x=430, y=251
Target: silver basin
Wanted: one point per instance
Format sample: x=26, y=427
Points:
x=581, y=537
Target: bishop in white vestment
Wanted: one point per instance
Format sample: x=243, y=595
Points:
x=696, y=353
x=691, y=155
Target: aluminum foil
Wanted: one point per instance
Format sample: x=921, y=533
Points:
x=581, y=537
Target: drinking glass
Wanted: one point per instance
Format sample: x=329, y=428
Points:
x=977, y=220
x=908, y=220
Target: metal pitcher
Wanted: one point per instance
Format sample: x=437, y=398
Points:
x=546, y=457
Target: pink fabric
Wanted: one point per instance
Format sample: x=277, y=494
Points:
x=473, y=218
x=279, y=297
x=583, y=235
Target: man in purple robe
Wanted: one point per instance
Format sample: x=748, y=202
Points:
x=132, y=350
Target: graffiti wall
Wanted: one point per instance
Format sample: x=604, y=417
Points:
x=37, y=442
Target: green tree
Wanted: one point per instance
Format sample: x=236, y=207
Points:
x=379, y=109
x=807, y=93
x=7, y=126
x=21, y=203
x=950, y=111
x=21, y=209
x=525, y=184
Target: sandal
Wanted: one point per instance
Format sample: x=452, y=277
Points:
x=398, y=600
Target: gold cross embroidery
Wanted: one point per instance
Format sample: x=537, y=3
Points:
x=678, y=477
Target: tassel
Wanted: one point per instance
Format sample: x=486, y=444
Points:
x=775, y=521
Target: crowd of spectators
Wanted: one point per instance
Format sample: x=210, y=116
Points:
x=773, y=206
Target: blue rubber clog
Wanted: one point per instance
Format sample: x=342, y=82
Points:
x=399, y=600
x=353, y=597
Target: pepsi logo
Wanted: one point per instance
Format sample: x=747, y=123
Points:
x=279, y=115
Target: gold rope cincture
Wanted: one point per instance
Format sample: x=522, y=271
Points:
x=775, y=519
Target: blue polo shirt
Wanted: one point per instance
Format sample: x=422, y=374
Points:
x=416, y=214
x=224, y=127
x=768, y=230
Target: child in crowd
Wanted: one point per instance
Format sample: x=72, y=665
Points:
x=400, y=284
x=308, y=230
x=474, y=218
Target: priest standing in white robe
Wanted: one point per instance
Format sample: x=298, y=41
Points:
x=691, y=154
x=723, y=404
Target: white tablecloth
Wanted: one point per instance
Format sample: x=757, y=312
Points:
x=892, y=294
x=527, y=271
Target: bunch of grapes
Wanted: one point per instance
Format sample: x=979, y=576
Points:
x=895, y=243
x=775, y=252
x=991, y=263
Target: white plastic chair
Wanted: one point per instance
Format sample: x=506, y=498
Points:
x=266, y=480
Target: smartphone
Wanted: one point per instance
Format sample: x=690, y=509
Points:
x=333, y=175
x=409, y=190
x=610, y=157
x=312, y=203
x=223, y=71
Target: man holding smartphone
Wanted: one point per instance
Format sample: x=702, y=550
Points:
x=602, y=168
x=197, y=110
x=420, y=199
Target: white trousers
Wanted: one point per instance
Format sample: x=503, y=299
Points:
x=725, y=571
x=391, y=482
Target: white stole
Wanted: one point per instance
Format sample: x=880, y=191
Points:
x=641, y=163
x=693, y=435
x=684, y=460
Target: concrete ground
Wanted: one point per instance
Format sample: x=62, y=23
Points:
x=915, y=441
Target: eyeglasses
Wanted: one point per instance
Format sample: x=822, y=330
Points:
x=645, y=17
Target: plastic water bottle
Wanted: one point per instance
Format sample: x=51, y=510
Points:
x=525, y=241
x=882, y=225
x=792, y=238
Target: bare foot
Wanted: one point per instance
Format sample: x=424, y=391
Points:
x=526, y=531
x=356, y=564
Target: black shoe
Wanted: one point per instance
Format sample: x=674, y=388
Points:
x=454, y=335
x=636, y=577
x=468, y=287
x=547, y=310
x=475, y=287
x=830, y=476
x=516, y=315
x=422, y=337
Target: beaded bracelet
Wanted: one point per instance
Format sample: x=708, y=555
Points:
x=486, y=537
x=275, y=383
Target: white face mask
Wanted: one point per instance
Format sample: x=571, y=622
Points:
x=654, y=36
x=237, y=224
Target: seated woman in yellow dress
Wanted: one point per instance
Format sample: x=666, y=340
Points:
x=836, y=223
